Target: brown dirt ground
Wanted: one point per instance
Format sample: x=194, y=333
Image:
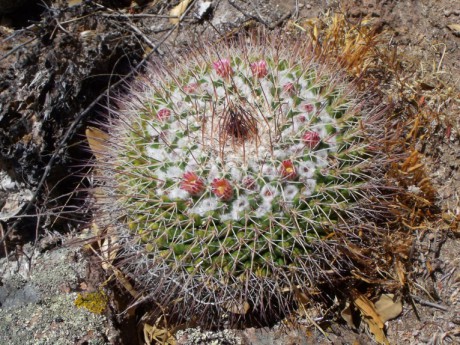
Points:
x=424, y=36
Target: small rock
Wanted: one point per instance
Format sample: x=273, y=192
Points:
x=33, y=310
x=204, y=9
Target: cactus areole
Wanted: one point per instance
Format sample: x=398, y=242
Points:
x=231, y=170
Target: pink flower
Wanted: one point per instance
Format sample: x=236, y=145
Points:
x=222, y=188
x=163, y=114
x=191, y=88
x=308, y=107
x=259, y=69
x=223, y=68
x=287, y=170
x=192, y=183
x=311, y=139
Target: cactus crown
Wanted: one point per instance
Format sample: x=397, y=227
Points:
x=232, y=169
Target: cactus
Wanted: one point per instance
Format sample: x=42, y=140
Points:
x=231, y=173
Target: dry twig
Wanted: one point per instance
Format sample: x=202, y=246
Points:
x=428, y=303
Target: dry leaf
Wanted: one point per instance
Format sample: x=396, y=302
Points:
x=372, y=318
x=74, y=2
x=97, y=141
x=455, y=28
x=346, y=314
x=367, y=308
x=378, y=333
x=388, y=307
x=107, y=244
x=121, y=279
x=236, y=307
x=125, y=282
x=155, y=335
x=315, y=33
x=108, y=249
x=178, y=11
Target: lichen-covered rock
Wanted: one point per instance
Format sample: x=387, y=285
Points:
x=37, y=301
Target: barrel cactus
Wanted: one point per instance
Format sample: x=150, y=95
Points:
x=231, y=174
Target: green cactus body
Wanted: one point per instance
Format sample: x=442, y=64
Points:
x=230, y=168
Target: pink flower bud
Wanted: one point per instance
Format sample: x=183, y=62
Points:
x=308, y=107
x=222, y=189
x=163, y=114
x=311, y=139
x=249, y=183
x=192, y=183
x=300, y=119
x=288, y=170
x=223, y=68
x=259, y=69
